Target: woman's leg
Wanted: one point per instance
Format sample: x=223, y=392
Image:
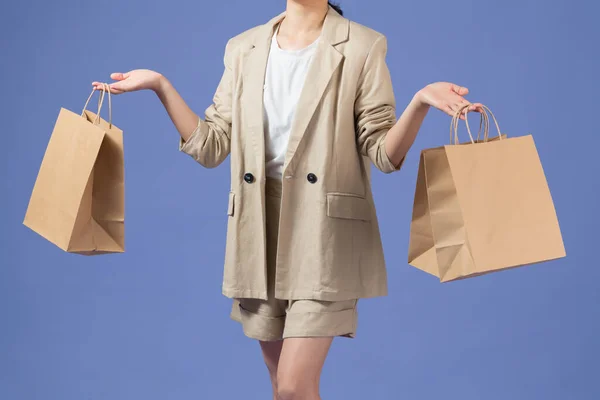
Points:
x=299, y=368
x=271, y=353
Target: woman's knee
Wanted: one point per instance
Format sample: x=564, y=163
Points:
x=295, y=386
x=289, y=390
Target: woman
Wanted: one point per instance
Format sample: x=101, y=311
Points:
x=304, y=104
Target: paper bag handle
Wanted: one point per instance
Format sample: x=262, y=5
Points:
x=486, y=110
x=105, y=89
x=484, y=119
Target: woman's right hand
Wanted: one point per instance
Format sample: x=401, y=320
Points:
x=137, y=79
x=184, y=119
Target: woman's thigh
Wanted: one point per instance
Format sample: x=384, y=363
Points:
x=271, y=351
x=301, y=361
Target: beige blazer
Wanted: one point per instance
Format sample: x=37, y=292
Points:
x=329, y=242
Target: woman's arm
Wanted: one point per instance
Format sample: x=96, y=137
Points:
x=182, y=116
x=442, y=95
x=207, y=140
x=184, y=119
x=379, y=135
x=402, y=135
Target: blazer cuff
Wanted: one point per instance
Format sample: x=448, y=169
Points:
x=388, y=167
x=187, y=145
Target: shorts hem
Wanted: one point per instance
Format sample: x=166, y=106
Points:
x=321, y=324
x=261, y=327
x=300, y=294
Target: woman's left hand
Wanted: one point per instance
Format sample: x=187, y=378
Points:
x=447, y=97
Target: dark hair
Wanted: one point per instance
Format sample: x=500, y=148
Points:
x=336, y=7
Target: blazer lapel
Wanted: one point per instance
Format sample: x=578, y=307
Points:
x=254, y=71
x=324, y=63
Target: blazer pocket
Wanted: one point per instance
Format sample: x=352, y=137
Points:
x=230, y=206
x=349, y=206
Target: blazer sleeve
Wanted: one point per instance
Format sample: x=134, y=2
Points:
x=210, y=143
x=375, y=107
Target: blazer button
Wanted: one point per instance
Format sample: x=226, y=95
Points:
x=312, y=178
x=248, y=177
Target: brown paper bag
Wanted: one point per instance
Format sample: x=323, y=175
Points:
x=482, y=206
x=77, y=201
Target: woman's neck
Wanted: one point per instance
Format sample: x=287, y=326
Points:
x=303, y=18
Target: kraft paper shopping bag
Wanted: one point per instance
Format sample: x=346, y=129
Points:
x=77, y=201
x=482, y=206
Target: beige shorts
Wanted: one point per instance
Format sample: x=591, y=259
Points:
x=276, y=319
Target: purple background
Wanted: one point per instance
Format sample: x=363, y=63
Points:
x=152, y=323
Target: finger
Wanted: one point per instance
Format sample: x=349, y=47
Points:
x=457, y=101
x=456, y=105
x=116, y=89
x=460, y=90
x=460, y=107
x=478, y=107
x=119, y=76
x=455, y=110
x=468, y=110
x=449, y=109
x=99, y=85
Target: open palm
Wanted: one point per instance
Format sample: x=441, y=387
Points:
x=137, y=79
x=448, y=97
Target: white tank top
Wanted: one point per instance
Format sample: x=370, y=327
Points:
x=284, y=79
